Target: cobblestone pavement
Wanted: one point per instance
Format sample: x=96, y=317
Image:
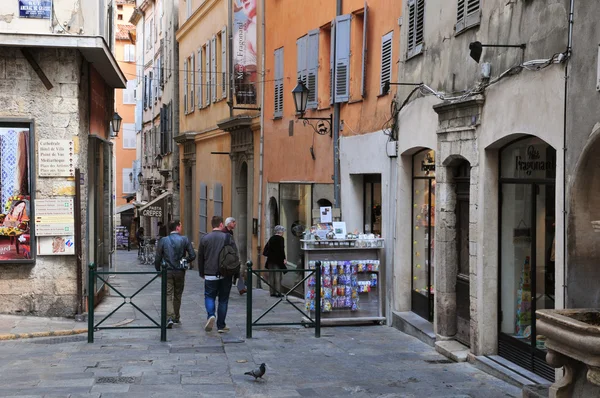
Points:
x=366, y=361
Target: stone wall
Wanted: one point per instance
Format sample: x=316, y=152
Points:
x=49, y=286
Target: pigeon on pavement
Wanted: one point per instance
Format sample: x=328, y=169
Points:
x=258, y=372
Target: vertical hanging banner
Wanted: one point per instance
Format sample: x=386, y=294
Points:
x=244, y=51
x=40, y=9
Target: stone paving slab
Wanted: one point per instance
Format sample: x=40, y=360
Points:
x=367, y=361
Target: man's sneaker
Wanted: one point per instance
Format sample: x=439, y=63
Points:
x=170, y=324
x=210, y=323
x=176, y=321
x=224, y=330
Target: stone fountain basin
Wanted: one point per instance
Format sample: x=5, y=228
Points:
x=572, y=332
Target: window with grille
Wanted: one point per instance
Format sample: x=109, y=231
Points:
x=468, y=14
x=278, y=94
x=386, y=60
x=416, y=25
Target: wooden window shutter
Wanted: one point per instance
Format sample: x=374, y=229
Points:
x=386, y=60
x=342, y=58
x=203, y=209
x=185, y=86
x=278, y=94
x=332, y=62
x=460, y=15
x=363, y=81
x=193, y=76
x=213, y=67
x=199, y=88
x=224, y=79
x=301, y=59
x=313, y=69
x=416, y=26
x=207, y=72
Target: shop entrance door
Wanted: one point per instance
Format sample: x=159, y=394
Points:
x=463, y=313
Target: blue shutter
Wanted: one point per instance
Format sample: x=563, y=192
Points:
x=278, y=94
x=386, y=60
x=331, y=62
x=301, y=59
x=342, y=58
x=312, y=65
x=363, y=81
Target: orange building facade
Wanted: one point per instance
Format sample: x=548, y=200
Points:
x=344, y=52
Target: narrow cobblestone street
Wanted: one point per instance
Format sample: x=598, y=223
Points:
x=365, y=361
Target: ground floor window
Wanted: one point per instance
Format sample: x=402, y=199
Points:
x=423, y=228
x=16, y=230
x=527, y=242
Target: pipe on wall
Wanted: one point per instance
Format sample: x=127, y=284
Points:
x=336, y=128
x=262, y=140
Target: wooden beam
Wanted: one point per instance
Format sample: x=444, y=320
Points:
x=29, y=57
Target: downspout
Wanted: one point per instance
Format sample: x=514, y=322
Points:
x=262, y=138
x=567, y=58
x=336, y=124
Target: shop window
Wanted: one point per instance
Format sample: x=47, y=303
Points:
x=527, y=242
x=16, y=229
x=372, y=201
x=423, y=233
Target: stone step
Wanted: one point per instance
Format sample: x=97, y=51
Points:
x=507, y=371
x=413, y=325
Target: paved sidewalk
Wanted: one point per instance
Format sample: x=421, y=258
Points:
x=366, y=361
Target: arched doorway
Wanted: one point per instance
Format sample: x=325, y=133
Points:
x=242, y=207
x=273, y=217
x=526, y=249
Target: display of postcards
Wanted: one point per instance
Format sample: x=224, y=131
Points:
x=364, y=287
x=327, y=293
x=354, y=293
x=334, y=280
x=326, y=269
x=341, y=302
x=360, y=266
x=348, y=302
x=376, y=265
x=334, y=268
x=326, y=281
x=354, y=281
x=312, y=281
x=334, y=291
x=310, y=294
x=341, y=290
x=307, y=305
x=354, y=269
x=370, y=267
x=327, y=306
x=347, y=268
x=312, y=264
x=373, y=280
x=355, y=306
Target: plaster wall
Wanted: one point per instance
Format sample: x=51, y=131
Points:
x=48, y=287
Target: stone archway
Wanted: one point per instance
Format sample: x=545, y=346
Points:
x=583, y=244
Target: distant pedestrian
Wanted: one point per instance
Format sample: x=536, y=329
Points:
x=215, y=284
x=230, y=224
x=162, y=230
x=275, y=252
x=174, y=252
x=139, y=236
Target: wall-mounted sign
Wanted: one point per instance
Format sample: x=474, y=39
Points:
x=40, y=9
x=55, y=158
x=56, y=246
x=535, y=160
x=153, y=211
x=244, y=51
x=54, y=217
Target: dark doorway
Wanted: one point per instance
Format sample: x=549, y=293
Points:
x=242, y=206
x=462, y=177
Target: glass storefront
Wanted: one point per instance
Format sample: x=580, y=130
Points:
x=527, y=237
x=423, y=232
x=16, y=233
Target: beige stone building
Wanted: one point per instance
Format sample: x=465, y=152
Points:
x=58, y=76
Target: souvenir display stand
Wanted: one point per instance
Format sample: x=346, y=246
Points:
x=352, y=278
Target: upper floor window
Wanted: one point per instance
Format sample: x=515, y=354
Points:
x=416, y=25
x=468, y=14
x=278, y=94
x=129, y=53
x=386, y=60
x=129, y=136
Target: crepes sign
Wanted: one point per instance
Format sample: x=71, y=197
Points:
x=39, y=9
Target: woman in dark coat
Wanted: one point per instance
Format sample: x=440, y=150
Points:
x=275, y=253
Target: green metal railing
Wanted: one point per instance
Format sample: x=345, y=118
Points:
x=316, y=322
x=93, y=275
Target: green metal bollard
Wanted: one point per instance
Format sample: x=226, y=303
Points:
x=249, y=300
x=91, y=288
x=318, y=300
x=163, y=305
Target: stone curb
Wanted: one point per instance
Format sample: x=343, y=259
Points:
x=52, y=333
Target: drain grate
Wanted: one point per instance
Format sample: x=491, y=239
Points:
x=58, y=340
x=116, y=380
x=439, y=361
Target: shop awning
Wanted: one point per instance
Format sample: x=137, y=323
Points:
x=125, y=207
x=93, y=48
x=155, y=207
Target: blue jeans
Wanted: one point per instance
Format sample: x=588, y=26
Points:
x=212, y=290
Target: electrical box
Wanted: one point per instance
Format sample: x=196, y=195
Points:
x=392, y=149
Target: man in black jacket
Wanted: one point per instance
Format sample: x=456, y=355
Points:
x=215, y=285
x=170, y=252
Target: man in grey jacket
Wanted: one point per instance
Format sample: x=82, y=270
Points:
x=170, y=252
x=215, y=285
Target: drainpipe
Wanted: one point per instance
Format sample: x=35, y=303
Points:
x=262, y=138
x=336, y=126
x=568, y=56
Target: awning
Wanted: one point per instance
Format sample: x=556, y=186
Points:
x=125, y=207
x=155, y=207
x=93, y=48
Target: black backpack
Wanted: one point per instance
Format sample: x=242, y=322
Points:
x=229, y=259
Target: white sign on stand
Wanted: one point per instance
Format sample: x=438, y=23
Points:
x=55, y=158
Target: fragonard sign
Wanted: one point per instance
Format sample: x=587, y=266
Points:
x=153, y=211
x=40, y=9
